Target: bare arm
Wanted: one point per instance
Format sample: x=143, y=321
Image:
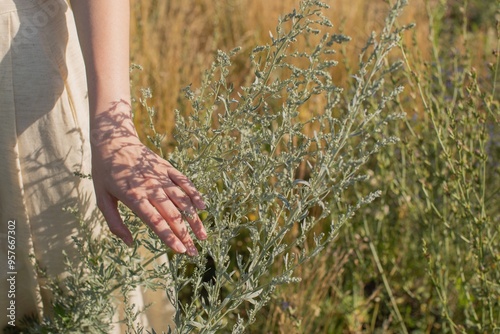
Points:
x=122, y=167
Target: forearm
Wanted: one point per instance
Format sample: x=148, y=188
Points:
x=123, y=169
x=103, y=31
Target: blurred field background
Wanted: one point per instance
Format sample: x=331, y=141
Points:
x=424, y=258
x=176, y=41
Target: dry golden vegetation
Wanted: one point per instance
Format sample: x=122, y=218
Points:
x=424, y=257
x=393, y=224
x=175, y=41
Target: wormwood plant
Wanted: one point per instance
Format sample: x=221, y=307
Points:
x=244, y=148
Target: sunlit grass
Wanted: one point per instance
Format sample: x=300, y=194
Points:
x=288, y=150
x=399, y=258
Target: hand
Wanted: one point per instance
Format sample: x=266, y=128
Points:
x=125, y=170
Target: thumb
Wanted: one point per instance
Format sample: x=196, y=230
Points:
x=109, y=208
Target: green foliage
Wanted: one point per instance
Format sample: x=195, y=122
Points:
x=287, y=161
x=428, y=250
x=244, y=147
x=458, y=187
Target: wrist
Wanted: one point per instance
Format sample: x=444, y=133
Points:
x=112, y=124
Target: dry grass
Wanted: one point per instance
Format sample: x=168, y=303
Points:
x=302, y=307
x=175, y=41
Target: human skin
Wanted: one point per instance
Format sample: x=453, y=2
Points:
x=123, y=169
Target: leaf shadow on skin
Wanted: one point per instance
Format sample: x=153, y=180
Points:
x=124, y=169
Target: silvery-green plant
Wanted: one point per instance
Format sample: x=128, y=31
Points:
x=243, y=147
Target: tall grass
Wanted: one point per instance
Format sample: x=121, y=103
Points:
x=289, y=152
x=174, y=40
x=427, y=253
x=424, y=257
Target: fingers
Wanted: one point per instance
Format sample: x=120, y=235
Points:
x=195, y=222
x=187, y=186
x=108, y=206
x=163, y=215
x=160, y=196
x=171, y=214
x=165, y=231
x=185, y=207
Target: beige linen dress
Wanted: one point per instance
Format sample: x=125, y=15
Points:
x=43, y=141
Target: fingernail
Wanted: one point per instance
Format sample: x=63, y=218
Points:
x=192, y=251
x=201, y=204
x=181, y=248
x=203, y=234
x=128, y=241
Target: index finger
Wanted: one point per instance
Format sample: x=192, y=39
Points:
x=149, y=215
x=187, y=186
